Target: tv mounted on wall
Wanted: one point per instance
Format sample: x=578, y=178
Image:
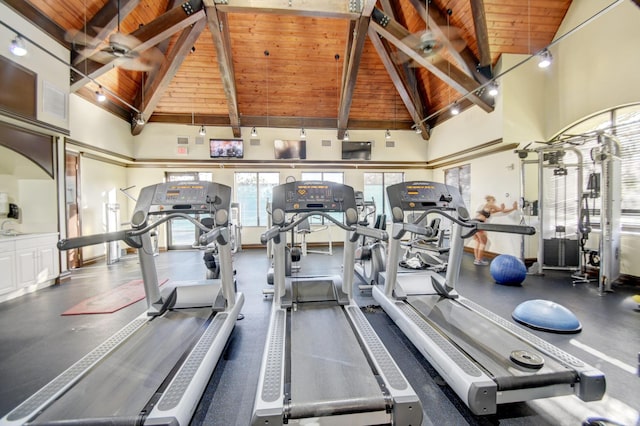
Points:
x=288, y=150
x=356, y=150
x=226, y=148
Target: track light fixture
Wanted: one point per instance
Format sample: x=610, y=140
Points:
x=346, y=135
x=140, y=119
x=455, y=109
x=18, y=47
x=202, y=131
x=254, y=133
x=303, y=134
x=387, y=134
x=545, y=58
x=418, y=129
x=100, y=96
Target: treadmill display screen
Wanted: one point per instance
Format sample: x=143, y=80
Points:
x=182, y=193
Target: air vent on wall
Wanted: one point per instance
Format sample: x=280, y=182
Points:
x=183, y=140
x=326, y=142
x=254, y=142
x=54, y=101
x=391, y=144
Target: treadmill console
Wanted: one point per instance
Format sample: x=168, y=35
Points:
x=308, y=196
x=183, y=197
x=420, y=196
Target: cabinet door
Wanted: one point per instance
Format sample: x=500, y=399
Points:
x=26, y=265
x=8, y=275
x=47, y=264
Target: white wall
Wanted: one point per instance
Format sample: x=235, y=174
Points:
x=49, y=70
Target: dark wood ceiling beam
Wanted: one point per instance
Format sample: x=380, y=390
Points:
x=219, y=28
x=280, y=122
x=157, y=85
x=445, y=71
x=325, y=8
x=149, y=35
x=350, y=72
x=482, y=37
x=414, y=109
x=438, y=23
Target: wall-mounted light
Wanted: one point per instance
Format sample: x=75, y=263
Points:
x=202, y=131
x=493, y=89
x=387, y=134
x=346, y=135
x=418, y=129
x=545, y=58
x=18, y=47
x=100, y=96
x=303, y=134
x=254, y=133
x=140, y=119
x=455, y=109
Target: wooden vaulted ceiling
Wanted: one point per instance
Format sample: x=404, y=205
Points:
x=343, y=64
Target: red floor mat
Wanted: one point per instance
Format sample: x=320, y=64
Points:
x=111, y=301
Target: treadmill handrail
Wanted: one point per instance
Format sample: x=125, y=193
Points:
x=126, y=235
x=357, y=229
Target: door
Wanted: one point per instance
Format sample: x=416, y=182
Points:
x=72, y=194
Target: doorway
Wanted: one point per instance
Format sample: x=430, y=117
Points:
x=72, y=194
x=181, y=234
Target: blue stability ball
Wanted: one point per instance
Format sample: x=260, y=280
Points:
x=508, y=270
x=547, y=316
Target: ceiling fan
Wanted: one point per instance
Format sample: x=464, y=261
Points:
x=119, y=49
x=429, y=43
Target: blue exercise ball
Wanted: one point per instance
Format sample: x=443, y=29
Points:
x=508, y=270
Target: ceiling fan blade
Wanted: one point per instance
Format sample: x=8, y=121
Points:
x=79, y=38
x=103, y=56
x=126, y=41
x=145, y=61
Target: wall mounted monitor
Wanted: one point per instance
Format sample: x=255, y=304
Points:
x=290, y=150
x=356, y=150
x=226, y=148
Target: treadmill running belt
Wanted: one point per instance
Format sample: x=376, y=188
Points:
x=488, y=345
x=123, y=383
x=329, y=371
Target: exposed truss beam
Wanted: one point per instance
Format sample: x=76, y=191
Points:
x=324, y=8
x=438, y=23
x=219, y=28
x=415, y=110
x=149, y=35
x=445, y=71
x=158, y=84
x=350, y=71
x=482, y=37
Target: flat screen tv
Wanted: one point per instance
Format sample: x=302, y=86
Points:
x=356, y=150
x=226, y=148
x=288, y=150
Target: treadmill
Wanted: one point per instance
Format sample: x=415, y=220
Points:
x=323, y=362
x=155, y=369
x=484, y=358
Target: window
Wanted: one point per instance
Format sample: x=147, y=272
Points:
x=624, y=123
x=460, y=177
x=181, y=233
x=253, y=192
x=183, y=176
x=375, y=186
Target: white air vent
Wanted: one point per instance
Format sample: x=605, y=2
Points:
x=326, y=142
x=183, y=140
x=391, y=144
x=54, y=101
x=254, y=142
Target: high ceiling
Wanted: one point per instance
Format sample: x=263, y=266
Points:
x=295, y=63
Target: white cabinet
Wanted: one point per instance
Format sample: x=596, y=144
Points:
x=26, y=260
x=8, y=267
x=36, y=260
